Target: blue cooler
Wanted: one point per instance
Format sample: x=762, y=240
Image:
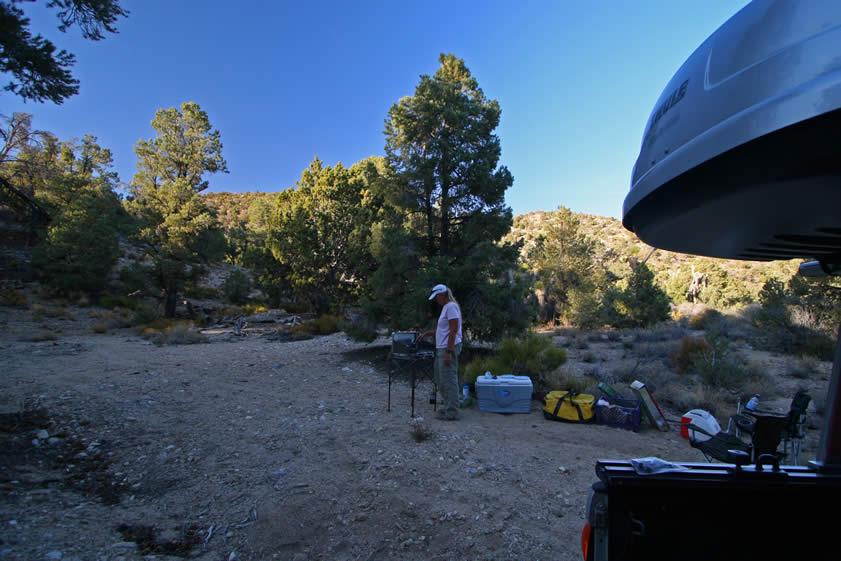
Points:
x=504, y=394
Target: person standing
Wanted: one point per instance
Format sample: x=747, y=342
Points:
x=447, y=350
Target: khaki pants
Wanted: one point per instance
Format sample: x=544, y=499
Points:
x=446, y=378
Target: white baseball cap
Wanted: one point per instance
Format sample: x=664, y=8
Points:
x=436, y=290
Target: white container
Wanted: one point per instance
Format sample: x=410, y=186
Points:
x=504, y=394
x=702, y=419
x=465, y=392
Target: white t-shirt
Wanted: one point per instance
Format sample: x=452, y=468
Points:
x=442, y=333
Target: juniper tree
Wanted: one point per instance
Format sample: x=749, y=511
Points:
x=175, y=226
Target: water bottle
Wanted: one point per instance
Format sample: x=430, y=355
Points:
x=465, y=391
x=753, y=403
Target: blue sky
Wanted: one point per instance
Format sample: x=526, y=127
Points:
x=284, y=82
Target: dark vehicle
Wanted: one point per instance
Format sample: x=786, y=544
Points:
x=741, y=159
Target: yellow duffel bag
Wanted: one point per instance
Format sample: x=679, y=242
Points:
x=570, y=406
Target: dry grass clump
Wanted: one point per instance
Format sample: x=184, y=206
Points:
x=563, y=379
x=806, y=367
x=40, y=312
x=660, y=334
x=177, y=334
x=111, y=319
x=43, y=335
x=419, y=430
x=324, y=325
x=13, y=299
x=682, y=398
x=625, y=371
x=99, y=328
x=705, y=318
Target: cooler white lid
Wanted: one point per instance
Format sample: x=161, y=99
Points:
x=504, y=380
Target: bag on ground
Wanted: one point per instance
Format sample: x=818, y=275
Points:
x=570, y=406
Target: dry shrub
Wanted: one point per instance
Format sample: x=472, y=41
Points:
x=805, y=367
x=705, y=318
x=99, y=328
x=626, y=370
x=758, y=385
x=682, y=398
x=588, y=357
x=419, y=430
x=40, y=312
x=660, y=334
x=563, y=379
x=324, y=325
x=13, y=299
x=690, y=349
x=44, y=335
x=178, y=334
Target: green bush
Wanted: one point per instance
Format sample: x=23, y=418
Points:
x=719, y=373
x=236, y=287
x=324, y=325
x=112, y=301
x=144, y=315
x=529, y=355
x=358, y=331
x=478, y=366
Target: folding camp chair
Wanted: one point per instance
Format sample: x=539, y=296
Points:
x=792, y=433
x=765, y=439
x=795, y=430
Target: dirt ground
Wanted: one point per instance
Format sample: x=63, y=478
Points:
x=249, y=448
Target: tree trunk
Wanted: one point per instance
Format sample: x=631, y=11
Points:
x=445, y=212
x=171, y=300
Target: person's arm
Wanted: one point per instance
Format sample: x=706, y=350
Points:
x=451, y=341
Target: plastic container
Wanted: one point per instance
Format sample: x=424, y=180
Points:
x=465, y=392
x=620, y=413
x=753, y=403
x=504, y=394
x=700, y=418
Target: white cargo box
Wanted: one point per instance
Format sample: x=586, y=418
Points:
x=504, y=394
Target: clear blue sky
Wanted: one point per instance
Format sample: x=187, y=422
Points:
x=286, y=81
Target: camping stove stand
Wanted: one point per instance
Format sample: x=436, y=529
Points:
x=419, y=367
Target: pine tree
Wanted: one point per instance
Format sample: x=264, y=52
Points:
x=448, y=192
x=177, y=229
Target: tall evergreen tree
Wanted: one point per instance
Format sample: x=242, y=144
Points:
x=441, y=146
x=176, y=227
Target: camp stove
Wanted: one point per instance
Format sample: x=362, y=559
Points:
x=413, y=357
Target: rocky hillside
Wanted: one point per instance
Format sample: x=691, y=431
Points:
x=613, y=236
